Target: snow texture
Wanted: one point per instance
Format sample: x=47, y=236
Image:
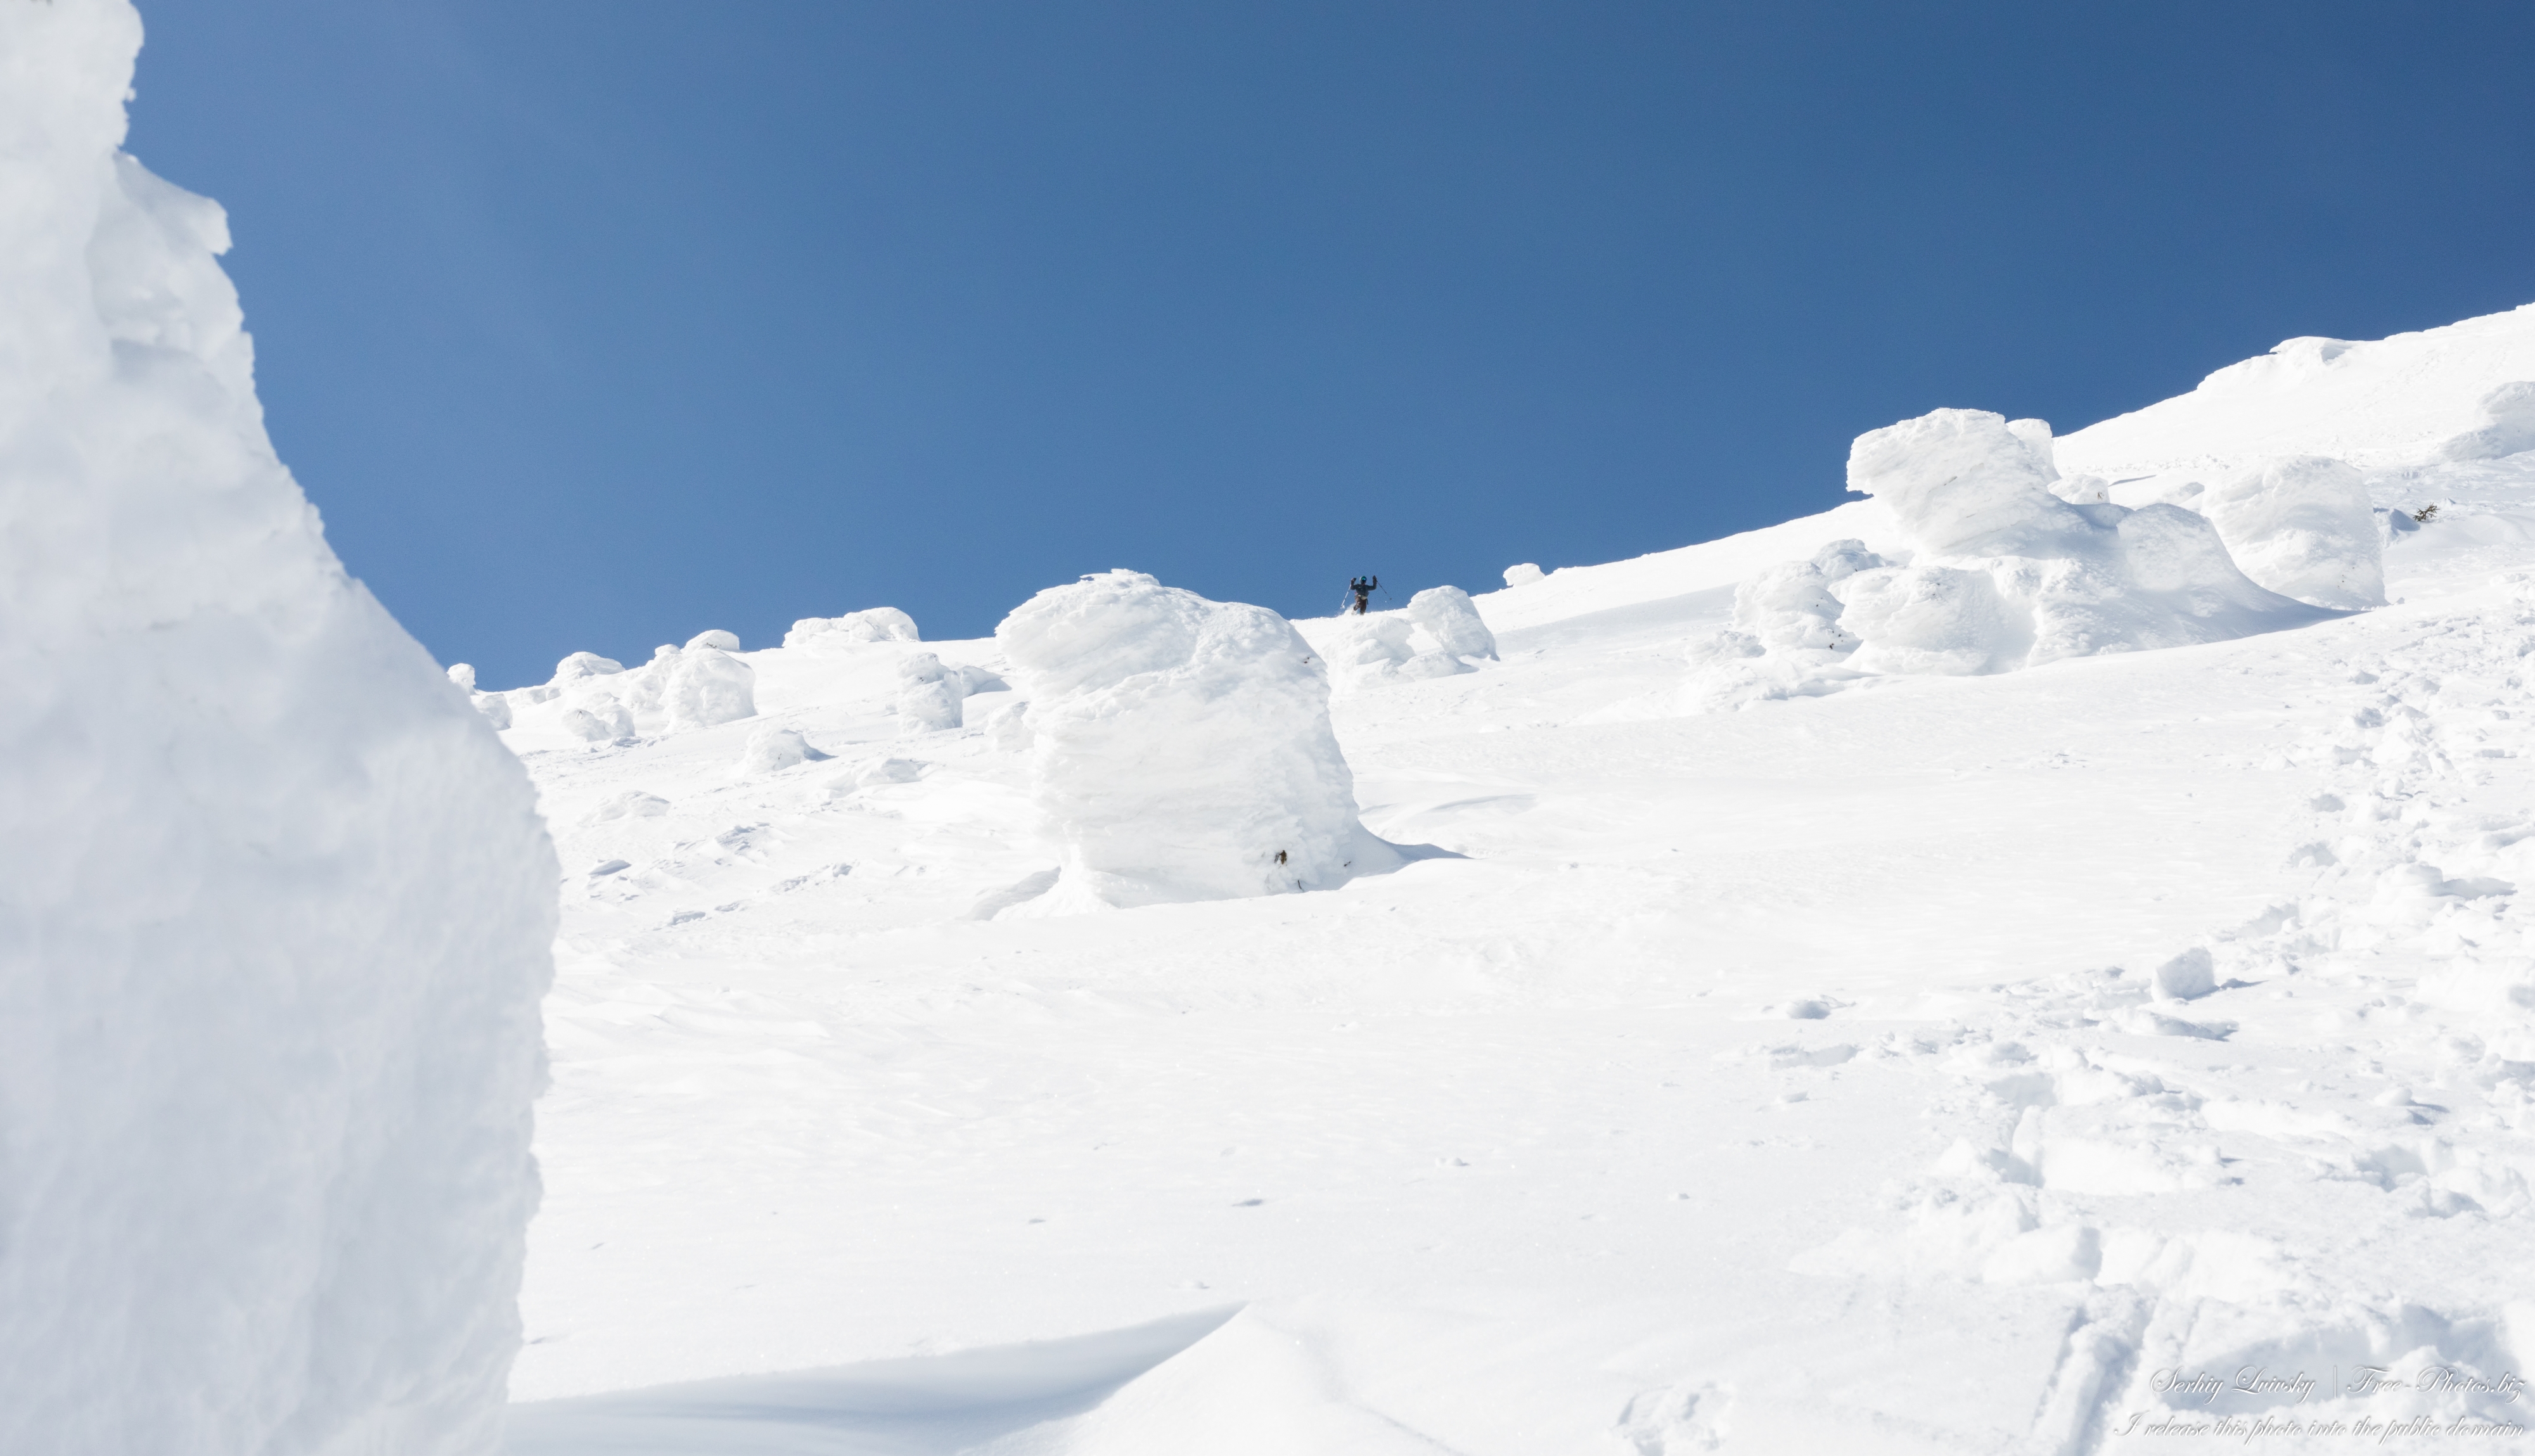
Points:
x=1180, y=749
x=1522, y=573
x=279, y=908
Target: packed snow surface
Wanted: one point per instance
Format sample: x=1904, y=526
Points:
x=278, y=911
x=2064, y=1058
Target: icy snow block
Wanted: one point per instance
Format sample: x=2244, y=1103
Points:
x=2187, y=976
x=280, y=905
x=2303, y=526
x=2511, y=411
x=716, y=638
x=706, y=687
x=1522, y=573
x=854, y=629
x=1447, y=615
x=463, y=675
x=1180, y=749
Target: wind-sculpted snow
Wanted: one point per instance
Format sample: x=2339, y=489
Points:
x=1180, y=749
x=1999, y=574
x=279, y=908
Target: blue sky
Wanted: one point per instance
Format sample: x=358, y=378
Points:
x=591, y=323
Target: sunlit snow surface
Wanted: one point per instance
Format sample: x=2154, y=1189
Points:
x=1758, y=1080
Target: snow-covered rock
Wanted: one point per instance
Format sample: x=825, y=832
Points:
x=280, y=907
x=854, y=629
x=2303, y=526
x=715, y=638
x=1180, y=749
x=1522, y=573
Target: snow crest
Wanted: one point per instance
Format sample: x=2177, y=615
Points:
x=1180, y=749
x=280, y=906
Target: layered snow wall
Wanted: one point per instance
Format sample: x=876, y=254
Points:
x=2001, y=573
x=277, y=907
x=1180, y=748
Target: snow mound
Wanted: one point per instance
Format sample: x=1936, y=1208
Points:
x=2303, y=526
x=1439, y=633
x=715, y=638
x=1999, y=573
x=1446, y=616
x=705, y=686
x=854, y=629
x=2509, y=412
x=1524, y=574
x=600, y=700
x=280, y=907
x=1180, y=749
x=772, y=750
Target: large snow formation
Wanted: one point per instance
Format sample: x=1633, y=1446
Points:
x=1999, y=573
x=1180, y=749
x=279, y=906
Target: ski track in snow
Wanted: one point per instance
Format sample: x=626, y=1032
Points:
x=1789, y=1079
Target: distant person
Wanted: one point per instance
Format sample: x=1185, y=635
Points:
x=1363, y=587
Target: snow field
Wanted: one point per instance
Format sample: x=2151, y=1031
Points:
x=1922, y=1070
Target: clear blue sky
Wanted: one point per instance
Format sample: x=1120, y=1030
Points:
x=590, y=324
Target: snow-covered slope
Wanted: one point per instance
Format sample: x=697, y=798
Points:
x=275, y=909
x=1924, y=1069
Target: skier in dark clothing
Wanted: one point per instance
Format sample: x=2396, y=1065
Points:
x=1363, y=587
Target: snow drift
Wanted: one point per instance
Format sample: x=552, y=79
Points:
x=2001, y=574
x=280, y=906
x=1180, y=749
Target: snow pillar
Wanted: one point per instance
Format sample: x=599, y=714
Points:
x=275, y=907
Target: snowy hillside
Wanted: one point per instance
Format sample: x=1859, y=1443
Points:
x=1938, y=1068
